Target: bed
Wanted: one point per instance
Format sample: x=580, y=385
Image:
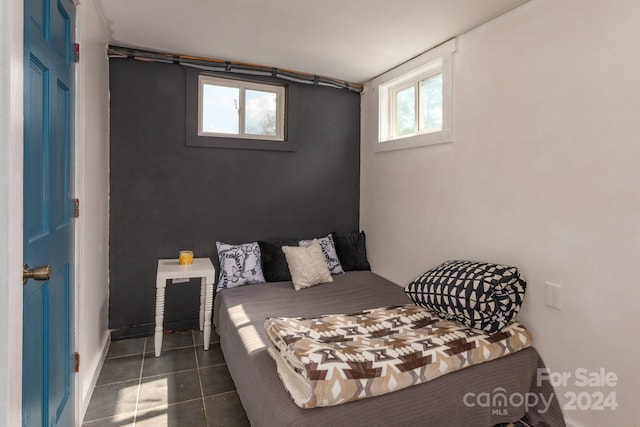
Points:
x=451, y=400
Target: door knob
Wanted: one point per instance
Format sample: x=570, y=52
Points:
x=39, y=273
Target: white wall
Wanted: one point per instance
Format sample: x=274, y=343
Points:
x=92, y=188
x=10, y=212
x=543, y=174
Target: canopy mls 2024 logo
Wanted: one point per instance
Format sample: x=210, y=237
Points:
x=597, y=393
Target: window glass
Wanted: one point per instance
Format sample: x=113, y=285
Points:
x=431, y=103
x=220, y=109
x=405, y=111
x=260, y=112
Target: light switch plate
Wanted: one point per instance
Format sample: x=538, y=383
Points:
x=553, y=296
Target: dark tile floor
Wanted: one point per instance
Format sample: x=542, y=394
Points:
x=185, y=386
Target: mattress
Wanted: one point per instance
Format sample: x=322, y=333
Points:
x=450, y=400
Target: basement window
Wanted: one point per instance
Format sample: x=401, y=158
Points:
x=240, y=109
x=415, y=101
x=235, y=112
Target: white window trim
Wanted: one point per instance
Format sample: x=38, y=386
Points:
x=438, y=59
x=243, y=86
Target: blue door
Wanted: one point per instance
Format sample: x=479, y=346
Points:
x=47, y=360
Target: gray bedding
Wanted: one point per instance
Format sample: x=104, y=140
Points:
x=451, y=400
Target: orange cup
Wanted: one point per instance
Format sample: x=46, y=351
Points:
x=185, y=258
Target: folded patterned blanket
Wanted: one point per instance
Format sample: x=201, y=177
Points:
x=333, y=359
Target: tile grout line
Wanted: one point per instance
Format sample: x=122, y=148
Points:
x=110, y=417
x=195, y=351
x=151, y=351
x=224, y=392
x=135, y=412
x=167, y=373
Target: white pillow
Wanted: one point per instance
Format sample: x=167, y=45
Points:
x=307, y=265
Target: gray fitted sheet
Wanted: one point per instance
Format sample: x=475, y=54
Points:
x=239, y=315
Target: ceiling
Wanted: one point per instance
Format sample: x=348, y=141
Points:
x=352, y=40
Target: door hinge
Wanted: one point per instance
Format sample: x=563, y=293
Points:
x=76, y=48
x=76, y=208
x=76, y=367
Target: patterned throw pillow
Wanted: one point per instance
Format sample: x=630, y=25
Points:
x=239, y=265
x=307, y=265
x=329, y=251
x=482, y=296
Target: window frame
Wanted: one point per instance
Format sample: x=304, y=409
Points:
x=292, y=134
x=243, y=86
x=436, y=61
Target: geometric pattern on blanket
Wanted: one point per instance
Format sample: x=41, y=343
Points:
x=334, y=359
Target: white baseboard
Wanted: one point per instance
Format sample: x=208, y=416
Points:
x=84, y=401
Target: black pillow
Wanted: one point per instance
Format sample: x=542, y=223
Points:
x=351, y=250
x=274, y=263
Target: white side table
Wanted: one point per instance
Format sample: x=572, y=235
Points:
x=169, y=269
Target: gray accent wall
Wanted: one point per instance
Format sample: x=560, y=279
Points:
x=166, y=196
